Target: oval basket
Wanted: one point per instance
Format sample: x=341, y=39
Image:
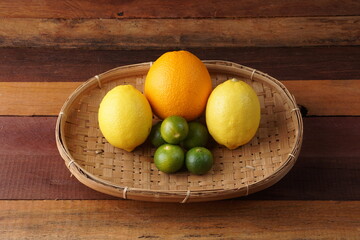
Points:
x=245, y=170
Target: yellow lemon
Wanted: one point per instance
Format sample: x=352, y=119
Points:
x=233, y=113
x=125, y=117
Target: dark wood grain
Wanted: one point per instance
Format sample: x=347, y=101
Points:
x=180, y=33
x=327, y=169
x=174, y=9
x=230, y=219
x=331, y=137
x=27, y=136
x=71, y=65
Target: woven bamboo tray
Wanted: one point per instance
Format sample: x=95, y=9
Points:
x=245, y=170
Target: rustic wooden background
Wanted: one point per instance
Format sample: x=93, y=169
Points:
x=47, y=48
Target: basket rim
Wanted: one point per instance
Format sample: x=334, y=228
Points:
x=123, y=191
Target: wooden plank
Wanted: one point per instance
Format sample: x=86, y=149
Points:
x=320, y=97
x=326, y=137
x=175, y=8
x=214, y=220
x=39, y=176
x=327, y=169
x=27, y=136
x=34, y=98
x=71, y=65
x=327, y=97
x=179, y=33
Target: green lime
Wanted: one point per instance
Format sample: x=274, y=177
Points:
x=197, y=137
x=199, y=160
x=174, y=129
x=169, y=158
x=155, y=135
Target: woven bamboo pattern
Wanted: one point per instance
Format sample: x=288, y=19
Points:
x=247, y=169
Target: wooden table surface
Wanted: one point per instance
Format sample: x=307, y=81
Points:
x=48, y=48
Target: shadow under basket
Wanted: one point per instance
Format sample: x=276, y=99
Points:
x=248, y=169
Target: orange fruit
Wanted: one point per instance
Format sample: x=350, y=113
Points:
x=178, y=83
